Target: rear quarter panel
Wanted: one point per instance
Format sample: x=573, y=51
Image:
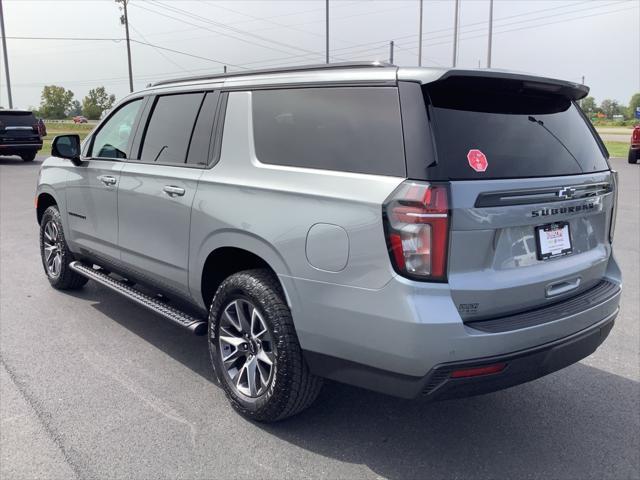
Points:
x=270, y=209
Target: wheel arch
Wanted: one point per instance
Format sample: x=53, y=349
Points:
x=44, y=200
x=232, y=253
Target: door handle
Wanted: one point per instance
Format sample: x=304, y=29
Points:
x=107, y=179
x=173, y=191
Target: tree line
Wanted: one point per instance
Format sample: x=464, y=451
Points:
x=57, y=103
x=610, y=108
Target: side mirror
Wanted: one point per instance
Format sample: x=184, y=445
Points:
x=67, y=146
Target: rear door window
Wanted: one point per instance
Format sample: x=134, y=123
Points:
x=170, y=127
x=519, y=134
x=349, y=129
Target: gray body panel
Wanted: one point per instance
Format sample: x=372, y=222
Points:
x=322, y=233
x=92, y=207
x=154, y=225
x=495, y=243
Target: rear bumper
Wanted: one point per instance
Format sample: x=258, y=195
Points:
x=519, y=367
x=18, y=148
x=396, y=339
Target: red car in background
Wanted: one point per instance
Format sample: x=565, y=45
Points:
x=80, y=119
x=634, y=149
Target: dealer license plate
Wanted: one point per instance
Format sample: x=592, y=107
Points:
x=553, y=240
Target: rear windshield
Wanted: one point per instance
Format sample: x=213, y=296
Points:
x=496, y=130
x=17, y=119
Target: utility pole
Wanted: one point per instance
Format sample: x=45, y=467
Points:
x=327, y=28
x=6, y=57
x=125, y=21
x=391, y=52
x=419, y=38
x=490, y=33
x=455, y=34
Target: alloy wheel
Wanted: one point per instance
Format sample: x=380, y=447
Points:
x=52, y=249
x=246, y=348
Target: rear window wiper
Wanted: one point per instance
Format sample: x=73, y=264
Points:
x=541, y=123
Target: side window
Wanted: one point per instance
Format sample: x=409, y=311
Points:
x=169, y=130
x=201, y=138
x=112, y=139
x=349, y=129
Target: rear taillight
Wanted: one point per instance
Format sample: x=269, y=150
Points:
x=614, y=210
x=417, y=227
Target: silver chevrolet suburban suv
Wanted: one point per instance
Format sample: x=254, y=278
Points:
x=421, y=232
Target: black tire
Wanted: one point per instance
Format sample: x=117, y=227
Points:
x=61, y=277
x=28, y=156
x=633, y=156
x=291, y=388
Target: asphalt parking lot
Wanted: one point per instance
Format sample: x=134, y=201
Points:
x=93, y=386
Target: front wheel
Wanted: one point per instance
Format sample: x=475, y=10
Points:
x=254, y=349
x=55, y=254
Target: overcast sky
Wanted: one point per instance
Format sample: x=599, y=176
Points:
x=564, y=39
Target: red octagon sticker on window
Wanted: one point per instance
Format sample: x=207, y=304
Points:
x=477, y=160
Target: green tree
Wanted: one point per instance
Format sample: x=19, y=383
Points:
x=96, y=102
x=589, y=106
x=633, y=104
x=55, y=102
x=611, y=107
x=76, y=108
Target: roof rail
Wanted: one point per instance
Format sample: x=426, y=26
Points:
x=299, y=68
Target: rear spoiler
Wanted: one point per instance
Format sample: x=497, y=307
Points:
x=570, y=90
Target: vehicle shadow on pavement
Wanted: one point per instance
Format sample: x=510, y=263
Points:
x=580, y=422
x=180, y=344
x=562, y=426
x=18, y=162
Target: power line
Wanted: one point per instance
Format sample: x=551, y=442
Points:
x=516, y=22
x=238, y=31
x=346, y=50
x=87, y=39
x=160, y=52
x=532, y=26
x=219, y=62
x=97, y=39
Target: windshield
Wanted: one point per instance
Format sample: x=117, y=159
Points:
x=494, y=130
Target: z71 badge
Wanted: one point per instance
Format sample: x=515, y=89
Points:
x=468, y=308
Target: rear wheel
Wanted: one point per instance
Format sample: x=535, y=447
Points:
x=633, y=156
x=28, y=156
x=55, y=254
x=254, y=349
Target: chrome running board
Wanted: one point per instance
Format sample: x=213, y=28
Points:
x=183, y=319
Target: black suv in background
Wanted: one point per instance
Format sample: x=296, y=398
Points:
x=19, y=134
